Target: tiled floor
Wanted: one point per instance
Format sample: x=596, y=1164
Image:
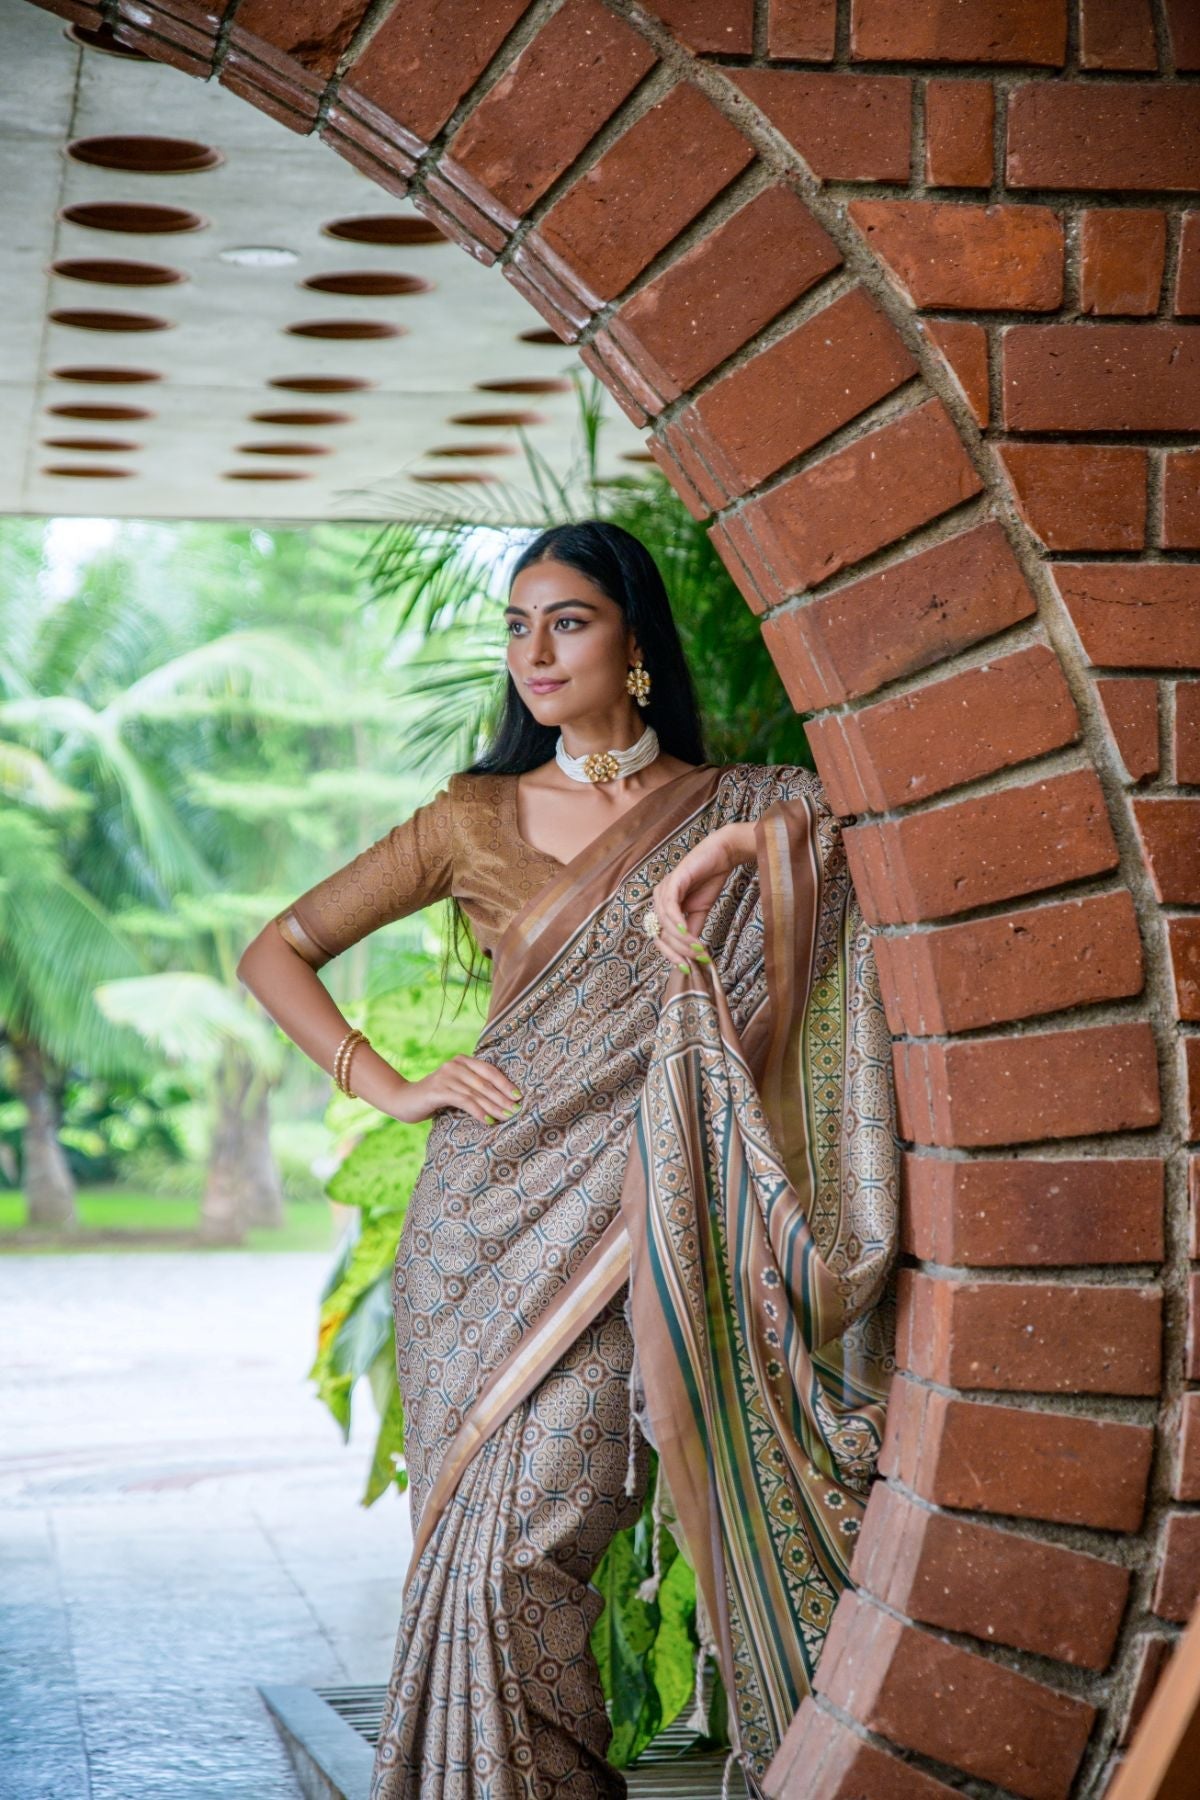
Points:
x=179, y=1521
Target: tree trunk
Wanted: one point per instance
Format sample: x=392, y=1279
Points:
x=243, y=1186
x=264, y=1189
x=48, y=1183
x=222, y=1210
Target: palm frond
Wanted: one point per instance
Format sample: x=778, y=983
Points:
x=190, y=1019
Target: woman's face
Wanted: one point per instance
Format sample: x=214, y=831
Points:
x=569, y=648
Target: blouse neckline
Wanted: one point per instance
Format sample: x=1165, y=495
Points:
x=629, y=813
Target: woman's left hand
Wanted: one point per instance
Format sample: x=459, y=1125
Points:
x=682, y=899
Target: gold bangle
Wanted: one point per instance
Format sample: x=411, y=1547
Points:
x=346, y=1088
x=341, y=1058
x=346, y=1050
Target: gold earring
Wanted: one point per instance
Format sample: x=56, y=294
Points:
x=637, y=683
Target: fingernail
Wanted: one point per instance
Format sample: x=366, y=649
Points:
x=680, y=927
x=489, y=1118
x=516, y=1093
x=702, y=956
x=512, y=1110
x=687, y=966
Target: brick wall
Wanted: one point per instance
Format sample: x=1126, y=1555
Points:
x=905, y=296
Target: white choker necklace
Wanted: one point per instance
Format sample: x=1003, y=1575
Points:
x=605, y=765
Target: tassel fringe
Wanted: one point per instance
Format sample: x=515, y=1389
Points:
x=630, y=1467
x=697, y=1719
x=648, y=1589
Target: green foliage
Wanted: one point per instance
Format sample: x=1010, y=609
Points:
x=645, y=1649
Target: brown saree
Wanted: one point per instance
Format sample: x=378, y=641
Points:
x=711, y=1160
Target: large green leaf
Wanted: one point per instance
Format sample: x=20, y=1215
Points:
x=621, y=1639
x=645, y=1648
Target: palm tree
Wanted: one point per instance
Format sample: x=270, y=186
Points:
x=123, y=852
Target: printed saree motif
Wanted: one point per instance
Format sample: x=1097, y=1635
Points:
x=713, y=1159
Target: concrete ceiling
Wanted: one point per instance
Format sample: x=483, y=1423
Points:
x=226, y=346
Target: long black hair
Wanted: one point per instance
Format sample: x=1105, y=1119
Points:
x=620, y=565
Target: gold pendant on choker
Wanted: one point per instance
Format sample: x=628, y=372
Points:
x=601, y=765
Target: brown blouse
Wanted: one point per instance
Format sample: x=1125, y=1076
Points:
x=463, y=842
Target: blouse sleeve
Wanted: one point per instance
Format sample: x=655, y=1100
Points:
x=411, y=866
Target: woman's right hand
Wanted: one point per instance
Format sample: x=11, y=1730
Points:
x=469, y=1083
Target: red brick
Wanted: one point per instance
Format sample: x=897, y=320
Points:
x=1102, y=377
x=974, y=852
x=804, y=30
x=822, y=1759
x=415, y=72
x=1041, y=1337
x=1018, y=1090
x=720, y=293
x=1187, y=277
x=1187, y=732
x=1194, y=1205
x=651, y=183
x=846, y=127
x=287, y=93
x=708, y=27
x=936, y=1697
x=1169, y=830
x=1017, y=966
x=1191, y=1353
x=1130, y=707
x=530, y=127
x=965, y=348
x=959, y=117
x=1181, y=500
x=1134, y=615
x=1122, y=250
x=982, y=1456
x=1149, y=1659
x=317, y=33
x=182, y=34
x=960, y=1575
x=1183, y=26
x=1103, y=134
x=789, y=397
x=1055, y=1211
x=1079, y=496
x=741, y=555
x=1183, y=939
x=1177, y=1590
x=1189, y=1056
x=1185, y=1478
x=861, y=498
x=1116, y=34
x=946, y=253
x=902, y=750
x=994, y=31
x=899, y=619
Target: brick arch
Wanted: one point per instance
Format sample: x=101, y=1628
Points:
x=901, y=297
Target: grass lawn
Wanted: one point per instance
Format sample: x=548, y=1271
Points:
x=130, y=1220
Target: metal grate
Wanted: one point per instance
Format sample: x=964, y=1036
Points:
x=670, y=1768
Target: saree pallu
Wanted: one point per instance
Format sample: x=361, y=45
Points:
x=689, y=1225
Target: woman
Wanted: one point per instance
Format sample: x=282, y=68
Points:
x=676, y=1133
